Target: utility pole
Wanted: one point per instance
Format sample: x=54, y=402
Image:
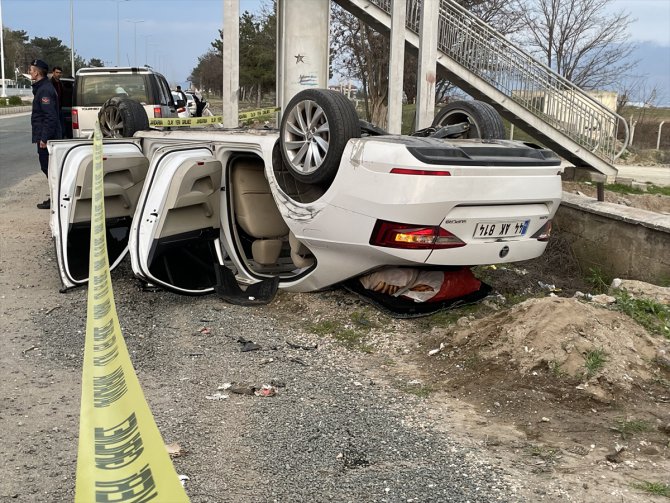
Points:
x=2, y=55
x=72, y=35
x=135, y=22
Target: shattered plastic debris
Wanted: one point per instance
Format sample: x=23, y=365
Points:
x=225, y=386
x=266, y=390
x=217, y=396
x=435, y=351
x=204, y=330
x=174, y=450
x=248, y=345
x=548, y=287
x=183, y=479
x=602, y=299
x=293, y=345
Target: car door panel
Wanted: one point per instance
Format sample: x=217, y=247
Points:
x=175, y=239
x=70, y=175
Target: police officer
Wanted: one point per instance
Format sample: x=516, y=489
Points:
x=44, y=119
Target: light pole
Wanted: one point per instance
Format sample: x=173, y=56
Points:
x=146, y=49
x=118, y=59
x=135, y=22
x=72, y=35
x=2, y=55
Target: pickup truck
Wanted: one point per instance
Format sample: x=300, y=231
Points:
x=127, y=97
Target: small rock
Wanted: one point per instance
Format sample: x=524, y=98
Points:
x=617, y=456
x=663, y=359
x=463, y=321
x=603, y=299
x=650, y=450
x=545, y=420
x=242, y=390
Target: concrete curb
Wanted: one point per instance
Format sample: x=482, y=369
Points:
x=637, y=216
x=4, y=111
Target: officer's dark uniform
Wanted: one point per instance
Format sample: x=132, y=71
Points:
x=44, y=120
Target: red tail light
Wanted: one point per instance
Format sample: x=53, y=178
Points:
x=410, y=171
x=157, y=113
x=415, y=237
x=75, y=119
x=544, y=233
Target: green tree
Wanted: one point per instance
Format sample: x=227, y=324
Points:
x=95, y=63
x=51, y=50
x=257, y=56
x=15, y=42
x=363, y=54
x=208, y=74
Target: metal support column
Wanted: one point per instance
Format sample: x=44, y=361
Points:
x=302, y=46
x=396, y=66
x=231, y=62
x=426, y=76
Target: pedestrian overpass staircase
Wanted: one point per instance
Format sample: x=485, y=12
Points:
x=483, y=63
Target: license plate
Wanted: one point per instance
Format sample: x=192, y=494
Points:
x=488, y=230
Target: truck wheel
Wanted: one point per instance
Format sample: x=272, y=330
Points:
x=484, y=121
x=315, y=128
x=122, y=117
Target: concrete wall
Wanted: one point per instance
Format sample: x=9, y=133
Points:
x=625, y=242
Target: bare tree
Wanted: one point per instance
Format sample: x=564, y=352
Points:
x=578, y=39
x=363, y=54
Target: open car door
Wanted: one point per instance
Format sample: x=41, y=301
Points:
x=175, y=238
x=70, y=174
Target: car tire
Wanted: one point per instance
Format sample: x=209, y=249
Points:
x=315, y=128
x=122, y=117
x=485, y=122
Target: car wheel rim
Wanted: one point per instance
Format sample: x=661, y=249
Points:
x=458, y=118
x=112, y=123
x=306, y=136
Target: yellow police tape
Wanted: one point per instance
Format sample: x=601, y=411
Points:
x=212, y=119
x=190, y=121
x=257, y=113
x=122, y=457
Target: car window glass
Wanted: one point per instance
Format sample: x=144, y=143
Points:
x=165, y=93
x=94, y=90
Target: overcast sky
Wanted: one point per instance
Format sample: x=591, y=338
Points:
x=171, y=34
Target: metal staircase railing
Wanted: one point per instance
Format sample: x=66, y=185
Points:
x=556, y=101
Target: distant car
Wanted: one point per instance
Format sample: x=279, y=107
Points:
x=115, y=96
x=182, y=109
x=190, y=103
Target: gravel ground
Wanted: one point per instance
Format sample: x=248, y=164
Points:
x=329, y=434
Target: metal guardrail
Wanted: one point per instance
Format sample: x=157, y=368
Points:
x=537, y=88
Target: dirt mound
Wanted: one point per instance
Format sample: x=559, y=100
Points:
x=602, y=348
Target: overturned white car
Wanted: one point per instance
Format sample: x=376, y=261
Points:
x=313, y=204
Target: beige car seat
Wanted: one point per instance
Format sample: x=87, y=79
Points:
x=256, y=211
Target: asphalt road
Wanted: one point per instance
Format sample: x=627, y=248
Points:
x=19, y=155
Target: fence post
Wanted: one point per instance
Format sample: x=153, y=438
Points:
x=658, y=140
